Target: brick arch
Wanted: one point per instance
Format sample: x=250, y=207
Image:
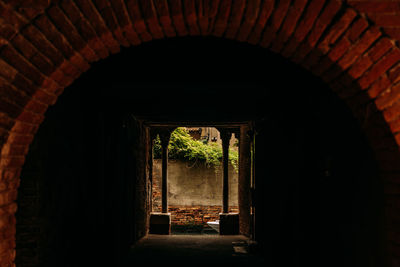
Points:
x=46, y=45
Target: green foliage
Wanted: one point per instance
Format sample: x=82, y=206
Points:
x=183, y=147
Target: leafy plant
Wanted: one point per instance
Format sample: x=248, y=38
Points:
x=183, y=147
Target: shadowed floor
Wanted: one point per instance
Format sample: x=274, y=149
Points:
x=189, y=250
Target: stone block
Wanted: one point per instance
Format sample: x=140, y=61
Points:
x=160, y=223
x=229, y=223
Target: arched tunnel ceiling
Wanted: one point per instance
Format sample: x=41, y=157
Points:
x=46, y=45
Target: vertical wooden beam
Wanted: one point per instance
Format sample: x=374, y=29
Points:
x=164, y=136
x=226, y=137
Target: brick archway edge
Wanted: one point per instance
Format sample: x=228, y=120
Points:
x=352, y=45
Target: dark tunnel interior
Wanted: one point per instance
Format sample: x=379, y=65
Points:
x=83, y=198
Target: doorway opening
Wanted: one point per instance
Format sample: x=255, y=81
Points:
x=195, y=170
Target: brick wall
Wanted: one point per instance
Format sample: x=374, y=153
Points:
x=181, y=215
x=197, y=212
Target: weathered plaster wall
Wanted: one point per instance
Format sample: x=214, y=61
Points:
x=194, y=184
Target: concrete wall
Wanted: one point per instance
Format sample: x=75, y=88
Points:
x=193, y=184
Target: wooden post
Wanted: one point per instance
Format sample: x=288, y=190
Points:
x=226, y=137
x=164, y=136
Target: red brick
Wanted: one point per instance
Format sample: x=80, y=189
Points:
x=334, y=54
x=11, y=16
x=25, y=87
x=276, y=20
x=394, y=73
x=191, y=17
x=49, y=87
x=375, y=6
x=43, y=64
x=60, y=78
x=337, y=30
x=380, y=48
x=202, y=16
x=388, y=97
x=7, y=71
x=235, y=19
x=78, y=61
x=10, y=162
x=380, y=67
x=10, y=108
x=379, y=86
x=358, y=68
x=20, y=63
x=356, y=29
x=212, y=10
x=39, y=40
x=36, y=107
x=7, y=174
x=323, y=21
x=109, y=17
x=3, y=187
x=221, y=20
x=30, y=117
x=393, y=32
x=120, y=12
x=137, y=20
x=89, y=10
x=176, y=11
x=360, y=47
x=304, y=27
x=386, y=20
x=24, y=128
x=164, y=17
x=69, y=69
x=54, y=36
x=263, y=16
x=14, y=150
x=333, y=34
x=150, y=16
x=15, y=94
x=45, y=97
x=84, y=28
x=24, y=46
x=124, y=21
x=70, y=32
x=392, y=113
x=395, y=125
x=250, y=17
x=115, y=37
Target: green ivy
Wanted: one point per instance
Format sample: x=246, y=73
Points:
x=183, y=147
